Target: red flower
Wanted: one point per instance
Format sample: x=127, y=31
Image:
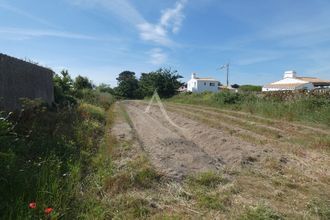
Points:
x=48, y=210
x=32, y=205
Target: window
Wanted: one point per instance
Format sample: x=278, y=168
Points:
x=212, y=84
x=205, y=84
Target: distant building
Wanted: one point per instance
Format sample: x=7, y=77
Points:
x=292, y=82
x=198, y=85
x=21, y=79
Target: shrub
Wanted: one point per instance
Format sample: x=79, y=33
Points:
x=89, y=111
x=250, y=88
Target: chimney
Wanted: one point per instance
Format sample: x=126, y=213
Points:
x=290, y=74
x=193, y=76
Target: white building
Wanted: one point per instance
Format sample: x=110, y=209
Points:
x=198, y=85
x=291, y=81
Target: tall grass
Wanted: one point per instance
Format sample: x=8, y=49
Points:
x=311, y=108
x=45, y=157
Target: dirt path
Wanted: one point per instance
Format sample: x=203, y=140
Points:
x=193, y=146
x=170, y=152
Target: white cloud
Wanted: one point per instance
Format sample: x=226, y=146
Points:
x=154, y=33
x=171, y=20
x=173, y=17
x=157, y=56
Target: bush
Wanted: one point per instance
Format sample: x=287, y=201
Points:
x=250, y=88
x=94, y=97
x=89, y=111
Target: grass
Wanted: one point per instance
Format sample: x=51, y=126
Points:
x=70, y=161
x=92, y=112
x=207, y=179
x=47, y=157
x=138, y=174
x=260, y=212
x=320, y=208
x=308, y=108
x=276, y=186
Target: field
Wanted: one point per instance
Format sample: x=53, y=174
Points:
x=217, y=163
x=206, y=156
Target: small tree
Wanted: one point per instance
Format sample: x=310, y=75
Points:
x=82, y=83
x=165, y=81
x=63, y=88
x=105, y=88
x=235, y=86
x=127, y=85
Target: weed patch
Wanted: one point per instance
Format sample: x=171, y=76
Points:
x=260, y=212
x=320, y=208
x=207, y=179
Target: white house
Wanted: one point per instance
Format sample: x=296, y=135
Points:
x=291, y=81
x=198, y=85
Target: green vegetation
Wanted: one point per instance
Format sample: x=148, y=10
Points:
x=320, y=208
x=65, y=161
x=207, y=179
x=47, y=153
x=127, y=85
x=304, y=107
x=260, y=212
x=165, y=81
x=250, y=88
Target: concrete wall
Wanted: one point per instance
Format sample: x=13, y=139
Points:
x=199, y=86
x=20, y=79
x=205, y=86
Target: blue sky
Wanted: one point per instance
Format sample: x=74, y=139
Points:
x=100, y=38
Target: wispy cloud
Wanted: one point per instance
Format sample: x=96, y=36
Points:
x=121, y=8
x=170, y=22
x=29, y=33
x=157, y=56
x=20, y=12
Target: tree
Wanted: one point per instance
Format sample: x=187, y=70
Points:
x=63, y=88
x=165, y=81
x=235, y=86
x=127, y=85
x=82, y=83
x=105, y=88
x=63, y=82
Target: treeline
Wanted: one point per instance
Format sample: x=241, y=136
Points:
x=48, y=154
x=165, y=81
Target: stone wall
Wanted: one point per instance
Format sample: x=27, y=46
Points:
x=20, y=79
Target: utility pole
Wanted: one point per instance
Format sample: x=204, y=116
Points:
x=227, y=71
